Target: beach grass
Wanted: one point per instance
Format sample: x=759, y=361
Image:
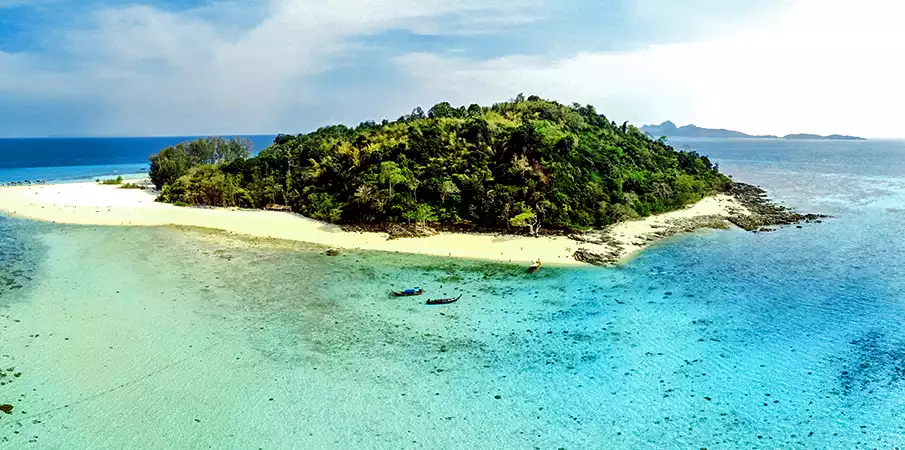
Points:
x=111, y=181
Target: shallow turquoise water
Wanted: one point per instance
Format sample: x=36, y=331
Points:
x=170, y=338
x=73, y=174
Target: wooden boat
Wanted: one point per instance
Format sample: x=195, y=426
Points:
x=443, y=301
x=408, y=292
x=534, y=266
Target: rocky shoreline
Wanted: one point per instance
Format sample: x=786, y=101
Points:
x=748, y=207
x=755, y=213
x=763, y=212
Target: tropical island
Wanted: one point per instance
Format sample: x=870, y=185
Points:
x=669, y=129
x=520, y=180
x=527, y=163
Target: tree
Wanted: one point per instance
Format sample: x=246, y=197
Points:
x=447, y=188
x=413, y=182
x=440, y=110
x=206, y=185
x=175, y=161
x=202, y=151
x=233, y=149
x=527, y=219
x=168, y=165
x=422, y=213
x=282, y=139
x=391, y=174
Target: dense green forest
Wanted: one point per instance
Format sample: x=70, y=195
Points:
x=529, y=163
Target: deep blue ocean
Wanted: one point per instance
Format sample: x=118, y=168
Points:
x=718, y=339
x=78, y=159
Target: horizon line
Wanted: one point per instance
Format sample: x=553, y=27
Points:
x=138, y=136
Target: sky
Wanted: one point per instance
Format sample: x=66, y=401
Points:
x=195, y=67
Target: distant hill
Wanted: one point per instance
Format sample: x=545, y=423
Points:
x=832, y=137
x=670, y=129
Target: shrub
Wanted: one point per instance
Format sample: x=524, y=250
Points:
x=112, y=181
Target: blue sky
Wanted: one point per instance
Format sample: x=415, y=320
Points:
x=179, y=67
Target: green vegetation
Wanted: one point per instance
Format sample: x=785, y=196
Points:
x=174, y=162
x=530, y=163
x=111, y=181
x=131, y=186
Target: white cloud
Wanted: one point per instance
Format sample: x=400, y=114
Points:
x=160, y=72
x=820, y=67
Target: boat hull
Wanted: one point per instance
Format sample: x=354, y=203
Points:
x=443, y=301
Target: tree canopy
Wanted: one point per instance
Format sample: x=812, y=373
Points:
x=528, y=163
x=174, y=162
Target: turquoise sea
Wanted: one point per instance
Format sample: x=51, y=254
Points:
x=174, y=338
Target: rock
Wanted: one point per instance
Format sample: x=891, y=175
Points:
x=7, y=408
x=763, y=212
x=687, y=225
x=594, y=258
x=332, y=252
x=397, y=231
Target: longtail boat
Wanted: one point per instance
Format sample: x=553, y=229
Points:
x=408, y=292
x=443, y=301
x=534, y=266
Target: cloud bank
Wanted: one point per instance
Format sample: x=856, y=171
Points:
x=819, y=67
x=290, y=66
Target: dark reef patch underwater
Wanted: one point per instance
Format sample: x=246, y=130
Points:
x=20, y=253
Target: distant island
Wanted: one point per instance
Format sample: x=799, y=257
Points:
x=832, y=137
x=670, y=129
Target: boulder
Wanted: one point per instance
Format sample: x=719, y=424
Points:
x=763, y=212
x=595, y=258
x=398, y=231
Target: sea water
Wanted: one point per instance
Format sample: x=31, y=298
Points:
x=81, y=159
x=182, y=338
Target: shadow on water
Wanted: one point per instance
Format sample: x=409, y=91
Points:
x=877, y=366
x=20, y=255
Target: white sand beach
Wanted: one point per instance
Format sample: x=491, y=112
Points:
x=94, y=204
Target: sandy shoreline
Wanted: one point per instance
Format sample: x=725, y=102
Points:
x=93, y=204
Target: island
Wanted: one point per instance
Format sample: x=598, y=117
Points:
x=669, y=129
x=832, y=137
x=513, y=182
